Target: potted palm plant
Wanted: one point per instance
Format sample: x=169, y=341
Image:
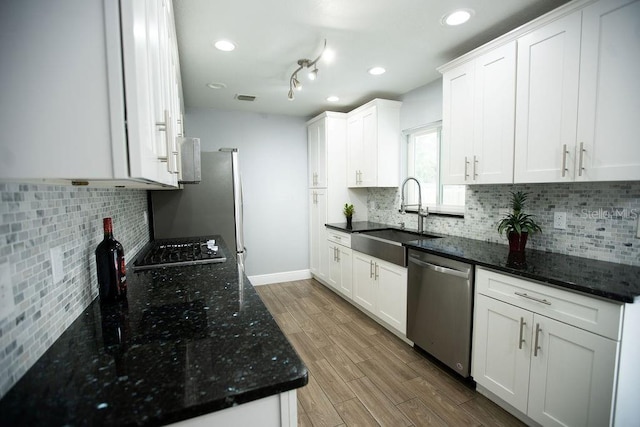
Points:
x=348, y=213
x=517, y=224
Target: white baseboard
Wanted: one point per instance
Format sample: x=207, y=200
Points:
x=286, y=276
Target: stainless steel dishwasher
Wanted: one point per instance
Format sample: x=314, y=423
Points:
x=439, y=308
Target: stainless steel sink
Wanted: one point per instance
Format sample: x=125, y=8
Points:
x=386, y=244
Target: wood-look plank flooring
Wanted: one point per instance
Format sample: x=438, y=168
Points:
x=360, y=374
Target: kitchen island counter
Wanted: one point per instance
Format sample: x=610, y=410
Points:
x=191, y=340
x=615, y=282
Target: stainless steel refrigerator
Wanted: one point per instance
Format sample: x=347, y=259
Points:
x=214, y=206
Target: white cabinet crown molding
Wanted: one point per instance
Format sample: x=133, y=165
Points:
x=545, y=19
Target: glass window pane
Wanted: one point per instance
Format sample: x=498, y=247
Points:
x=423, y=163
x=424, y=166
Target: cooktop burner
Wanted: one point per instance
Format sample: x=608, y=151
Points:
x=175, y=252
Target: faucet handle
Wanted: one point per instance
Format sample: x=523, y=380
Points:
x=402, y=225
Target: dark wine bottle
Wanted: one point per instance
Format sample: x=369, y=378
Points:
x=112, y=273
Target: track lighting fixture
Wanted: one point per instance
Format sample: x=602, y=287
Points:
x=294, y=83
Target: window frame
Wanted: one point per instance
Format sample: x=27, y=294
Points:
x=438, y=208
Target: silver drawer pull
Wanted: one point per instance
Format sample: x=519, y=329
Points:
x=543, y=301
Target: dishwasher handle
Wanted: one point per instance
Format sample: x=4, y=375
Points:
x=440, y=269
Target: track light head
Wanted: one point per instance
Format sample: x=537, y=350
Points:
x=294, y=83
x=313, y=74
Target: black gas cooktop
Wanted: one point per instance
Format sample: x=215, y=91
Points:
x=179, y=251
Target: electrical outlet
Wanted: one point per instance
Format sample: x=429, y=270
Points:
x=7, y=304
x=57, y=269
x=560, y=220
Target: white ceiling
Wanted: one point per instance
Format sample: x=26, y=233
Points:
x=403, y=36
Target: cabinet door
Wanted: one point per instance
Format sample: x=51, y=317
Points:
x=608, y=125
x=494, y=117
x=364, y=291
x=317, y=240
x=457, y=124
x=334, y=273
x=572, y=375
x=317, y=151
x=355, y=145
x=144, y=161
x=547, y=101
x=345, y=258
x=392, y=294
x=501, y=350
x=369, y=170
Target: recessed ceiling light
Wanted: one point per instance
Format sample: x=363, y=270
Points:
x=216, y=85
x=224, y=45
x=457, y=17
x=333, y=98
x=376, y=71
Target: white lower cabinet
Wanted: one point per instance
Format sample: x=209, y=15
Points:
x=553, y=372
x=340, y=264
x=381, y=288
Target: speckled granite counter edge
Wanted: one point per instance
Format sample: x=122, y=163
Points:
x=554, y=281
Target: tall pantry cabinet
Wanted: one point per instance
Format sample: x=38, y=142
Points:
x=327, y=154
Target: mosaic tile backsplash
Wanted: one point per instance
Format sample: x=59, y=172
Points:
x=35, y=219
x=601, y=217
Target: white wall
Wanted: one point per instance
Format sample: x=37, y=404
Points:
x=273, y=164
x=421, y=106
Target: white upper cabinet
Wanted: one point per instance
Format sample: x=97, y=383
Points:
x=547, y=102
x=373, y=139
x=609, y=98
x=478, y=119
x=494, y=113
x=573, y=114
x=317, y=152
x=457, y=123
x=93, y=119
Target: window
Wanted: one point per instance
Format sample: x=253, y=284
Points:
x=423, y=163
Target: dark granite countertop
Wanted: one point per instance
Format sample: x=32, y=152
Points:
x=193, y=340
x=608, y=280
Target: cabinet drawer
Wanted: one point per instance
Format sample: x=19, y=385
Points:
x=591, y=314
x=339, y=237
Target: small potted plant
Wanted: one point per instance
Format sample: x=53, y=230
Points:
x=348, y=213
x=518, y=224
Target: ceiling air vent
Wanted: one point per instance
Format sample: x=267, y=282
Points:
x=249, y=98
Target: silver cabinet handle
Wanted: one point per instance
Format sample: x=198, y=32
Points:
x=172, y=155
x=580, y=167
x=475, y=164
x=370, y=269
x=440, y=269
x=536, y=346
x=521, y=340
x=466, y=166
x=523, y=295
x=337, y=254
x=377, y=271
x=564, y=160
